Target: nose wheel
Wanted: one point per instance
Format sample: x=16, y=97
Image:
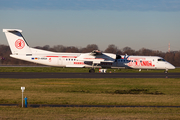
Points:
x=166, y=71
x=92, y=70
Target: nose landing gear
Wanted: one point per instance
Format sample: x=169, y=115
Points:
x=166, y=73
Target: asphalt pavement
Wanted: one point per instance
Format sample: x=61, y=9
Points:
x=86, y=75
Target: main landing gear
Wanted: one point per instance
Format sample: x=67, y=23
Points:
x=92, y=70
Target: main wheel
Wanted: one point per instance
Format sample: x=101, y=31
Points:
x=91, y=71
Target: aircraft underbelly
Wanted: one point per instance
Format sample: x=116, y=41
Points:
x=142, y=67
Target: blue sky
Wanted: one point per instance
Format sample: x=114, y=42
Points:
x=151, y=24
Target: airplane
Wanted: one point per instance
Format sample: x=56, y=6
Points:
x=95, y=59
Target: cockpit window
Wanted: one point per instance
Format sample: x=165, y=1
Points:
x=161, y=60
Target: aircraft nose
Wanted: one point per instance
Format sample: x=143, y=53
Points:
x=173, y=67
x=170, y=66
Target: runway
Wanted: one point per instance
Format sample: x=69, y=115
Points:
x=30, y=75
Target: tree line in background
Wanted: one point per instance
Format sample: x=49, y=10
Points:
x=173, y=57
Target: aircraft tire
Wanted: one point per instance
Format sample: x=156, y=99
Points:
x=91, y=71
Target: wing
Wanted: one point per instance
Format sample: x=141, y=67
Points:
x=96, y=57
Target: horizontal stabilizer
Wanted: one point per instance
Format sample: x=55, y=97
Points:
x=12, y=30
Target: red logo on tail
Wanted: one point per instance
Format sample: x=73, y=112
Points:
x=19, y=44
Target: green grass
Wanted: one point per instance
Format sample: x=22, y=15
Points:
x=89, y=113
x=80, y=70
x=122, y=91
x=79, y=91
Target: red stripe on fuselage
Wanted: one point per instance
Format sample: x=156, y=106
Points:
x=81, y=63
x=51, y=56
x=94, y=58
x=63, y=56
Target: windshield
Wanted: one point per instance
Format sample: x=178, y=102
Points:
x=161, y=60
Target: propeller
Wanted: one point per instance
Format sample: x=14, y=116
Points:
x=126, y=57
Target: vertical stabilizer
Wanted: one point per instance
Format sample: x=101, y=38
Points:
x=16, y=41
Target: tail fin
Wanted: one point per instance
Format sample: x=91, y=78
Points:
x=16, y=41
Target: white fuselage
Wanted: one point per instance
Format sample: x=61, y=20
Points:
x=96, y=59
x=106, y=60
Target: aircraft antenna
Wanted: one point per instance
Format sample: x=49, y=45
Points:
x=169, y=47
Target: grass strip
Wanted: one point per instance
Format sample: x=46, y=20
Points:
x=113, y=91
x=89, y=113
